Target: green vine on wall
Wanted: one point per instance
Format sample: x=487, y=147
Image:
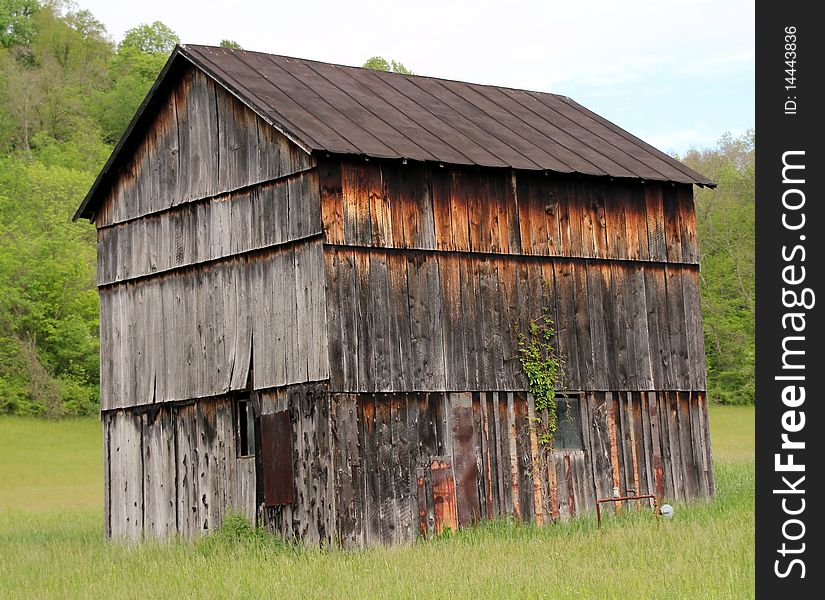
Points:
x=541, y=364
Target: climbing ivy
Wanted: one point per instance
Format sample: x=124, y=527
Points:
x=541, y=364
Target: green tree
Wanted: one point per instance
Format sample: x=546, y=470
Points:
x=156, y=38
x=48, y=301
x=17, y=27
x=726, y=228
x=378, y=63
x=230, y=44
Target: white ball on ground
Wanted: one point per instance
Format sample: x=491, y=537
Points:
x=667, y=510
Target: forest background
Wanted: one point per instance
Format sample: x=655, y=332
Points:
x=67, y=92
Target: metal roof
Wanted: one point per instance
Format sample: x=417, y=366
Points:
x=356, y=111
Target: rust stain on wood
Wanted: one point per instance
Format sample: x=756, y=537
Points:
x=443, y=496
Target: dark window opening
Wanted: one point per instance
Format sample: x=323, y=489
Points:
x=569, y=423
x=245, y=427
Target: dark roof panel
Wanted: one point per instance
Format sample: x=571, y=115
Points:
x=350, y=110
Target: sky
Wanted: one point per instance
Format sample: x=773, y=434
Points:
x=677, y=73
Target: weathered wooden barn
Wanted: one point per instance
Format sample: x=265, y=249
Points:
x=309, y=277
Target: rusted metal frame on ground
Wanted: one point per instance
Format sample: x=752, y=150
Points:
x=599, y=502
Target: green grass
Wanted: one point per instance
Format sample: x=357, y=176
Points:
x=54, y=547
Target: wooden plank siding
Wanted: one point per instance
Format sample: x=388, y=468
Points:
x=174, y=470
x=612, y=330
x=496, y=211
x=195, y=333
x=452, y=476
x=202, y=143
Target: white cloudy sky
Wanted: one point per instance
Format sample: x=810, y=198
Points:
x=678, y=73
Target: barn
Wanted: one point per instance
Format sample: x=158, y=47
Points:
x=312, y=278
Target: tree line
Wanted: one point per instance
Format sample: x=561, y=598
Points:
x=68, y=91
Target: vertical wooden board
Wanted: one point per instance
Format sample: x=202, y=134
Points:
x=571, y=484
x=677, y=464
x=159, y=474
x=584, y=342
x=464, y=465
x=652, y=403
x=396, y=526
x=586, y=403
x=350, y=202
x=374, y=225
x=511, y=205
x=494, y=215
x=640, y=456
x=508, y=302
x=187, y=470
x=207, y=477
x=333, y=278
x=397, y=216
x=363, y=322
x=525, y=457
x=226, y=134
x=550, y=217
x=629, y=457
x=601, y=446
x=658, y=328
x=638, y=206
x=487, y=448
x=471, y=316
x=346, y=465
x=616, y=466
x=671, y=488
x=638, y=334
x=345, y=310
x=632, y=219
x=490, y=324
x=459, y=210
x=425, y=322
x=691, y=478
x=577, y=223
x=501, y=421
x=400, y=351
x=442, y=209
x=673, y=226
x=380, y=311
x=421, y=497
x=623, y=337
x=591, y=208
x=521, y=184
x=477, y=231
x=455, y=354
x=126, y=476
x=514, y=479
x=598, y=289
x=534, y=470
x=426, y=428
x=644, y=439
x=655, y=212
x=566, y=324
x=559, y=465
x=367, y=437
x=409, y=456
x=693, y=329
x=687, y=224
x=444, y=499
x=332, y=203
x=678, y=328
x=707, y=451
x=417, y=203
x=615, y=220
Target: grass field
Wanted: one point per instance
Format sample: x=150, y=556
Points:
x=51, y=541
